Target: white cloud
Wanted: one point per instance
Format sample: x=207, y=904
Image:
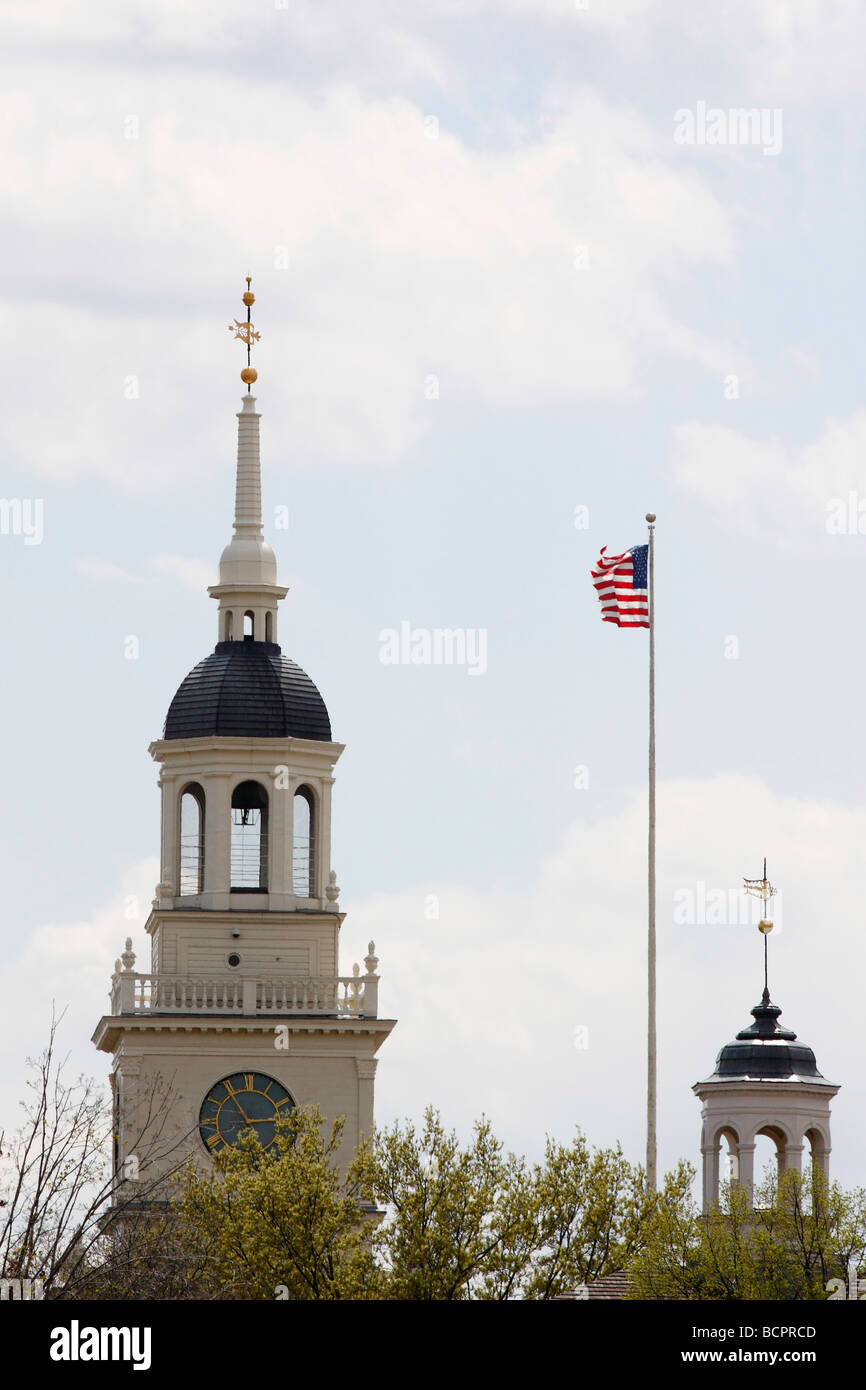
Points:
x=807, y=43
x=185, y=570
x=409, y=257
x=195, y=574
x=767, y=488
x=70, y=964
x=61, y=950
x=103, y=571
x=793, y=53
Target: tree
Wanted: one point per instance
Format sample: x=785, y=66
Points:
x=58, y=1184
x=474, y=1222
x=418, y=1215
x=458, y=1221
x=801, y=1233
x=592, y=1214
x=277, y=1223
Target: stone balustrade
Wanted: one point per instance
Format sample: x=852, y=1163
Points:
x=341, y=996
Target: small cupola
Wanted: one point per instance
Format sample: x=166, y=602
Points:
x=765, y=1084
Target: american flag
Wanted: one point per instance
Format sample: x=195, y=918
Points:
x=621, y=584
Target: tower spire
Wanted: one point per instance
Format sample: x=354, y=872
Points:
x=248, y=485
x=247, y=590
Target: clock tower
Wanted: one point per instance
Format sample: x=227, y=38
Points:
x=243, y=1011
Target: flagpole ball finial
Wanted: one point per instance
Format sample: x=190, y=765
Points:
x=650, y=516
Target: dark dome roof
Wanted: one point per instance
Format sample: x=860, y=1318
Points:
x=247, y=690
x=766, y=1051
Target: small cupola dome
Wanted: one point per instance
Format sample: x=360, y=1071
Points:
x=765, y=1051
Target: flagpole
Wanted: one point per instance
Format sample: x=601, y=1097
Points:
x=651, y=883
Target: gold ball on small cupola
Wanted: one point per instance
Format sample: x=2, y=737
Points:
x=249, y=375
x=765, y=926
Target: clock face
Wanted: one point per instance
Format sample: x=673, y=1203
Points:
x=246, y=1100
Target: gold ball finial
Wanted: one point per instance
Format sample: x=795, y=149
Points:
x=249, y=375
x=764, y=926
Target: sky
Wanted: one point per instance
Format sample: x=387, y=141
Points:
x=521, y=277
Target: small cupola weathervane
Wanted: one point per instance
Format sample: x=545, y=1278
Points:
x=762, y=888
x=247, y=334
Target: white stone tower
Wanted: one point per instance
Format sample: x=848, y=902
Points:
x=765, y=1082
x=243, y=1011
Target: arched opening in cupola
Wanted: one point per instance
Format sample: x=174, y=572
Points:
x=191, y=858
x=729, y=1160
x=304, y=843
x=269, y=627
x=249, y=839
x=769, y=1162
x=818, y=1149
x=249, y=627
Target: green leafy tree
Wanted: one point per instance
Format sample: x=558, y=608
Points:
x=278, y=1223
x=591, y=1214
x=458, y=1219
x=801, y=1233
x=474, y=1222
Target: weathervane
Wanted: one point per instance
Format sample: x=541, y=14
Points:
x=247, y=334
x=762, y=888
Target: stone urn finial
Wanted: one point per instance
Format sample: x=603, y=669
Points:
x=128, y=956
